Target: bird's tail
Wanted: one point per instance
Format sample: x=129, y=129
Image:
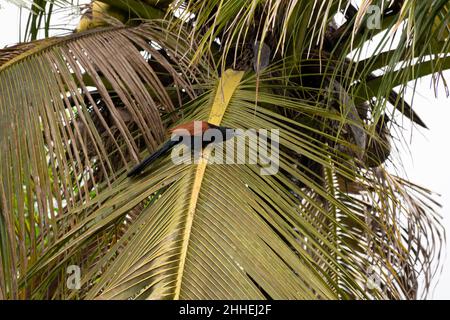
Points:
x=147, y=161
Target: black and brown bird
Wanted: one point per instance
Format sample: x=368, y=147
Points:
x=194, y=134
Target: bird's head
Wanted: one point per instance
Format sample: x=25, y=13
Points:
x=226, y=131
x=200, y=127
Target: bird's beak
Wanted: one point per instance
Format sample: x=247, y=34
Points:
x=237, y=132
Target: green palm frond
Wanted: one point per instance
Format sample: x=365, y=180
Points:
x=71, y=140
x=77, y=111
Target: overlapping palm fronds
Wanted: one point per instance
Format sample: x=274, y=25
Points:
x=77, y=111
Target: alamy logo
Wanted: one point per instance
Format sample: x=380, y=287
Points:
x=373, y=279
x=74, y=279
x=228, y=146
x=373, y=17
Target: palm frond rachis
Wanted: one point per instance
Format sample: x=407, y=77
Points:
x=77, y=112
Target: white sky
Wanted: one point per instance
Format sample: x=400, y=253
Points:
x=426, y=163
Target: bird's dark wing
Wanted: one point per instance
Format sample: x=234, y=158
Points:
x=147, y=161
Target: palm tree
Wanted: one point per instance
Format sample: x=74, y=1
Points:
x=78, y=111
